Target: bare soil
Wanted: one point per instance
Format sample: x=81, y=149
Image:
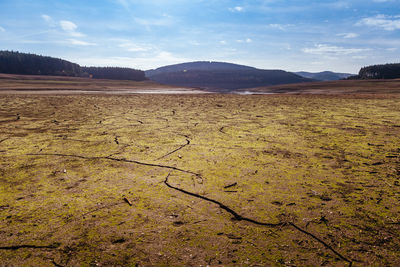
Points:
x=313, y=180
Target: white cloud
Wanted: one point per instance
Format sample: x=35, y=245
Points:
x=2, y=29
x=132, y=47
x=46, y=18
x=70, y=28
x=160, y=58
x=281, y=27
x=164, y=20
x=123, y=3
x=195, y=43
x=359, y=57
x=276, y=26
x=79, y=42
x=349, y=35
x=330, y=50
x=248, y=40
x=236, y=9
x=339, y=5
x=223, y=42
x=49, y=20
x=388, y=23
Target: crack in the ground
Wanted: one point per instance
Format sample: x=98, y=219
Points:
x=117, y=159
x=179, y=148
x=5, y=139
x=15, y=247
x=239, y=217
x=235, y=215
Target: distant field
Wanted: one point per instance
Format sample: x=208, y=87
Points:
x=334, y=87
x=10, y=83
x=313, y=180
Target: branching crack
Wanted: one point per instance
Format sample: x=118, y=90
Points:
x=55, y=245
x=5, y=139
x=116, y=159
x=12, y=120
x=179, y=148
x=239, y=217
x=236, y=216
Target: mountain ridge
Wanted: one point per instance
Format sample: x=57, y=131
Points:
x=324, y=75
x=220, y=76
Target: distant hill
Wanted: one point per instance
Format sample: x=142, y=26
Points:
x=30, y=64
x=197, y=65
x=383, y=71
x=324, y=75
x=220, y=76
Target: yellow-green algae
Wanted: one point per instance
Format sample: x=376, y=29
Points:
x=328, y=163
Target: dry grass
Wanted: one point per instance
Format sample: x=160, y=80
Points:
x=328, y=163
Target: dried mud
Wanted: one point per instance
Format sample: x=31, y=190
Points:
x=83, y=180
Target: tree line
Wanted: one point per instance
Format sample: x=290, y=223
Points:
x=114, y=73
x=383, y=71
x=30, y=64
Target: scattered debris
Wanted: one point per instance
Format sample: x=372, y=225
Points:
x=231, y=185
x=277, y=203
x=119, y=241
x=178, y=223
x=56, y=264
x=127, y=201
x=232, y=236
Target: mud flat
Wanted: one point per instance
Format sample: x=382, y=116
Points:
x=281, y=179
x=30, y=84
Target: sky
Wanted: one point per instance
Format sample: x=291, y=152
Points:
x=293, y=35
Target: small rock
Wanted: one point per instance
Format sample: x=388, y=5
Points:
x=277, y=203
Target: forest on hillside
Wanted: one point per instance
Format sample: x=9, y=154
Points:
x=383, y=71
x=30, y=64
x=114, y=73
x=227, y=79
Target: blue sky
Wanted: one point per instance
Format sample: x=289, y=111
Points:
x=292, y=35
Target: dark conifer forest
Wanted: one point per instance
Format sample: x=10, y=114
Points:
x=383, y=71
x=30, y=64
